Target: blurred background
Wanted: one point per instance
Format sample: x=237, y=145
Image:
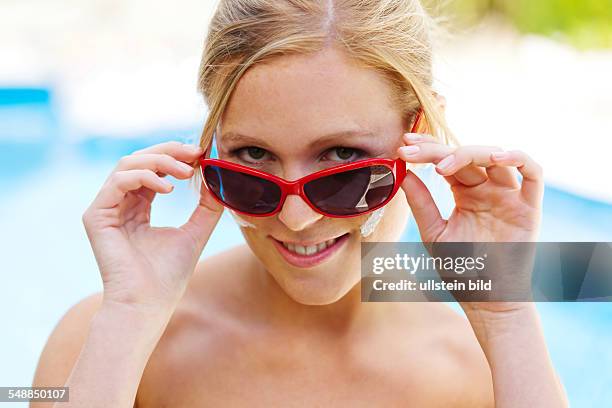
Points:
x=83, y=82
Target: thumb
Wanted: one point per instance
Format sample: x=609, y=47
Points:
x=204, y=218
x=425, y=211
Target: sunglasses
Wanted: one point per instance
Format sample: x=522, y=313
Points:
x=347, y=190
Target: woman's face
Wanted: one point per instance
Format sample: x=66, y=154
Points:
x=296, y=115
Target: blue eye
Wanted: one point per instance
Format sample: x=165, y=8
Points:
x=341, y=153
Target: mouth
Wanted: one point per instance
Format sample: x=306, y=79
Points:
x=307, y=256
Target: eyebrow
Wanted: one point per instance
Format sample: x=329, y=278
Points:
x=342, y=135
x=235, y=137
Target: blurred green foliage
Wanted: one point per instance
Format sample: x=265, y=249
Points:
x=584, y=23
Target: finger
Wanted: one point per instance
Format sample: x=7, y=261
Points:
x=204, y=218
x=181, y=151
x=501, y=176
x=466, y=165
x=465, y=172
x=147, y=194
x=121, y=182
x=414, y=138
x=160, y=163
x=425, y=211
x=425, y=152
x=451, y=180
x=532, y=186
x=428, y=152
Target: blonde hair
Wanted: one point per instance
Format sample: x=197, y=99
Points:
x=391, y=36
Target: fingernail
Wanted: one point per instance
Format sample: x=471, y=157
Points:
x=192, y=148
x=446, y=162
x=499, y=155
x=184, y=166
x=410, y=150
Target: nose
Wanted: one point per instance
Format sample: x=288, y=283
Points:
x=296, y=214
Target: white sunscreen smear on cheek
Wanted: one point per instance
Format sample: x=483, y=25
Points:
x=241, y=221
x=369, y=226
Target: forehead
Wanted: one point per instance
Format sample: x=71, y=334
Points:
x=306, y=96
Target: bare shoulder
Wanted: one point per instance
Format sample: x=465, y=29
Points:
x=65, y=342
x=463, y=369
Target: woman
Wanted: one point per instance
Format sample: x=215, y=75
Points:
x=295, y=87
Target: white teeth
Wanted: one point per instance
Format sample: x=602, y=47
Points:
x=310, y=249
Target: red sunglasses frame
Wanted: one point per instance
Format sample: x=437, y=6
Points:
x=397, y=167
x=296, y=187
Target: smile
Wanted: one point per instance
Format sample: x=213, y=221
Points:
x=311, y=249
x=305, y=256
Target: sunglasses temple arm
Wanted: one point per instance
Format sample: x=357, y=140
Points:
x=401, y=173
x=417, y=121
x=403, y=168
x=208, y=151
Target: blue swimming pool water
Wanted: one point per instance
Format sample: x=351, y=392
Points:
x=47, y=182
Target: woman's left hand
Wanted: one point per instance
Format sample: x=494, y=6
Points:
x=491, y=205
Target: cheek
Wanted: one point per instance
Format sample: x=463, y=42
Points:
x=258, y=241
x=241, y=221
x=354, y=224
x=393, y=222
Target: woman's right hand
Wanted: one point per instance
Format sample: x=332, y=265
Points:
x=143, y=266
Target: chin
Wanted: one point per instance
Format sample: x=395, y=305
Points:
x=317, y=292
x=325, y=283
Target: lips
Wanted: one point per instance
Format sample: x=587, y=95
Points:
x=305, y=256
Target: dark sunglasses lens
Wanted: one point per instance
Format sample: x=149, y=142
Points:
x=241, y=191
x=351, y=192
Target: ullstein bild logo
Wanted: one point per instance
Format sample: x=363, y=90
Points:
x=486, y=271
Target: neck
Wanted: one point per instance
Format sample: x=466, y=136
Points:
x=339, y=317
